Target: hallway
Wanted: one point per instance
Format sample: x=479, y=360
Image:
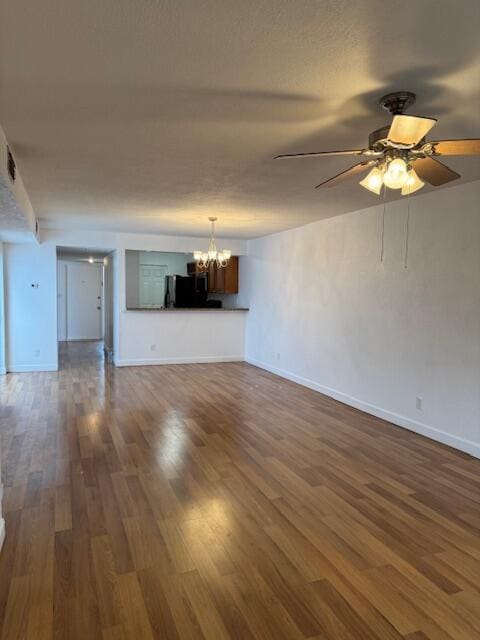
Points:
x=78, y=355
x=220, y=501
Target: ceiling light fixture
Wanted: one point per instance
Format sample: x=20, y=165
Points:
x=412, y=184
x=395, y=149
x=205, y=258
x=394, y=174
x=374, y=181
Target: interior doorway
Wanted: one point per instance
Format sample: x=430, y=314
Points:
x=85, y=296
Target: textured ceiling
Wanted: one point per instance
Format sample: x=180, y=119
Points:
x=150, y=116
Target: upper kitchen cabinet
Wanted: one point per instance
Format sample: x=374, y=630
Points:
x=230, y=277
x=220, y=279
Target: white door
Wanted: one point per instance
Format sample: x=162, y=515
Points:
x=61, y=300
x=84, y=301
x=152, y=286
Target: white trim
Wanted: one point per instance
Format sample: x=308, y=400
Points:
x=180, y=360
x=2, y=521
x=2, y=532
x=25, y=368
x=468, y=446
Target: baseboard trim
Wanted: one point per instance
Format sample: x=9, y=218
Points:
x=25, y=368
x=467, y=446
x=145, y=362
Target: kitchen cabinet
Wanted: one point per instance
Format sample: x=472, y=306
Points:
x=193, y=269
x=220, y=279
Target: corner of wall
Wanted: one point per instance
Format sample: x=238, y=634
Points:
x=3, y=369
x=374, y=334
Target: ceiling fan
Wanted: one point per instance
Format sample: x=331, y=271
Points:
x=398, y=155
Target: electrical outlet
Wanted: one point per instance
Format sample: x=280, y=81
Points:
x=278, y=356
x=36, y=353
x=153, y=347
x=419, y=403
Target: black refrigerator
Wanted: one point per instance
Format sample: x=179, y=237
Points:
x=186, y=291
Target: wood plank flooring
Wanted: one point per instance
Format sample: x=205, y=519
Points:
x=209, y=502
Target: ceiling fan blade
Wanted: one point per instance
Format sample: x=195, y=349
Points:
x=468, y=147
x=361, y=167
x=434, y=172
x=409, y=130
x=313, y=154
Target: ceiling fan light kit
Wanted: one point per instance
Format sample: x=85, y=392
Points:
x=205, y=258
x=396, y=173
x=373, y=181
x=412, y=183
x=398, y=155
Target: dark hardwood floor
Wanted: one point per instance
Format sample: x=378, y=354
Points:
x=219, y=501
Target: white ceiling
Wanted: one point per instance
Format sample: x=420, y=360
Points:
x=151, y=116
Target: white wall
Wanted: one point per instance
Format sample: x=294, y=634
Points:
x=176, y=263
x=31, y=312
x=2, y=315
x=2, y=371
x=29, y=262
x=327, y=313
x=177, y=336
x=100, y=240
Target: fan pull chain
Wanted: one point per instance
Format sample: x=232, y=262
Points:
x=407, y=232
x=383, y=222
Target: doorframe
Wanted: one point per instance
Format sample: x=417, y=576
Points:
x=109, y=350
x=112, y=255
x=64, y=301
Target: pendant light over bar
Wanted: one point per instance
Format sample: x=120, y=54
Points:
x=205, y=258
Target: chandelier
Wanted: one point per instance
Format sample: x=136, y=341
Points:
x=205, y=258
x=395, y=173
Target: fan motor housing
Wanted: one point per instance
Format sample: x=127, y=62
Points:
x=378, y=138
x=397, y=102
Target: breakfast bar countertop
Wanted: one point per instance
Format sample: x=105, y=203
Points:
x=188, y=309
